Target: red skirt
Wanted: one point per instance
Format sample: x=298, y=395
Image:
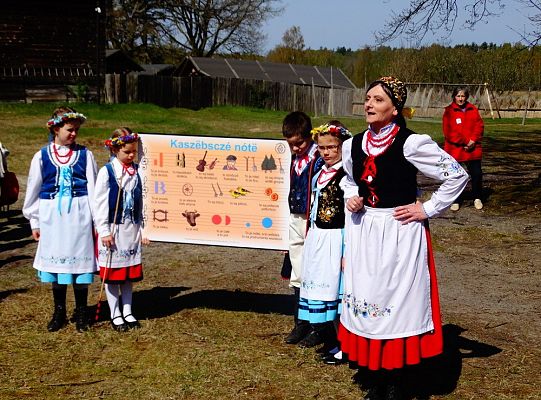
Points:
x=133, y=273
x=388, y=354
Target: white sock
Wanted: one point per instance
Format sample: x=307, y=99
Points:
x=338, y=355
x=127, y=294
x=113, y=293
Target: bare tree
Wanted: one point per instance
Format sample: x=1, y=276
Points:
x=533, y=38
x=202, y=27
x=424, y=16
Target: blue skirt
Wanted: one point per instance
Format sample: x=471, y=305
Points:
x=66, y=279
x=319, y=311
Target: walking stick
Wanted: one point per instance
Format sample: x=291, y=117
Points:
x=109, y=258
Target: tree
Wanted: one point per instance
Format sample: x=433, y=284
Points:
x=202, y=27
x=293, y=39
x=424, y=16
x=198, y=27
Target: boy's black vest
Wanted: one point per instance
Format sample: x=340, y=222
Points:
x=395, y=182
x=137, y=212
x=330, y=213
x=300, y=188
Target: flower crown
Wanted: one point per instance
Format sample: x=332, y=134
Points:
x=337, y=131
x=58, y=119
x=119, y=141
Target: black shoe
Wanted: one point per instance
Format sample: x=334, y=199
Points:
x=311, y=340
x=393, y=392
x=123, y=327
x=58, y=320
x=298, y=333
x=375, y=393
x=81, y=319
x=330, y=359
x=133, y=324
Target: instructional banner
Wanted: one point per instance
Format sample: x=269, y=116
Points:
x=216, y=191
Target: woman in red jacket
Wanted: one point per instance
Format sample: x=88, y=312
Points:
x=463, y=130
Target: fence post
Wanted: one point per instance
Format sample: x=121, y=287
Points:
x=526, y=107
x=489, y=102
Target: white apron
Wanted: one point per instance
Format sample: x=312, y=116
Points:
x=386, y=278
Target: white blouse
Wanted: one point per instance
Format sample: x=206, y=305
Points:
x=33, y=186
x=425, y=155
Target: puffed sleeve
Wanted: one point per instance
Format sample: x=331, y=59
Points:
x=33, y=187
x=347, y=184
x=91, y=172
x=101, y=203
x=433, y=162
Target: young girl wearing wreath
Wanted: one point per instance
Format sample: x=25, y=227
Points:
x=119, y=222
x=58, y=204
x=322, y=255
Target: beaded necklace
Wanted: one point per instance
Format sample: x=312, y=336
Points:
x=66, y=157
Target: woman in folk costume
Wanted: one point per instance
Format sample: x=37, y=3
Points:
x=58, y=204
x=119, y=222
x=322, y=253
x=390, y=316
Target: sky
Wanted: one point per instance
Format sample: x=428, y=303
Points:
x=352, y=23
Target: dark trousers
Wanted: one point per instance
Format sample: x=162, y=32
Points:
x=474, y=169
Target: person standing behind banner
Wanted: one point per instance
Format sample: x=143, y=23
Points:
x=119, y=222
x=296, y=128
x=390, y=310
x=58, y=204
x=463, y=130
x=322, y=255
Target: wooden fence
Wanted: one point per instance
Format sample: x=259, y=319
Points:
x=198, y=92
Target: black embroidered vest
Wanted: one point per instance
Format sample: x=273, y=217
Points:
x=395, y=182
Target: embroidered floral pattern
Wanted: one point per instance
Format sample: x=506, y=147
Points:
x=314, y=285
x=361, y=308
x=123, y=254
x=447, y=165
x=329, y=204
x=65, y=260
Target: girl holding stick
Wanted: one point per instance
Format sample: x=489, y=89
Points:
x=119, y=222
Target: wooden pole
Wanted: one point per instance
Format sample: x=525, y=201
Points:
x=314, y=97
x=488, y=98
x=526, y=107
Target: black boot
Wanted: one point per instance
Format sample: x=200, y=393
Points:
x=81, y=318
x=81, y=315
x=58, y=320
x=393, y=387
x=375, y=393
x=59, y=315
x=301, y=328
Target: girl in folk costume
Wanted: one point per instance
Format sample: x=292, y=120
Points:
x=463, y=131
x=119, y=222
x=58, y=204
x=390, y=316
x=322, y=253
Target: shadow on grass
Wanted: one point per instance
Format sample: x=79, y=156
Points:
x=161, y=302
x=439, y=375
x=6, y=293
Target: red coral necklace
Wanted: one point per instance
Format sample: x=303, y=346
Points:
x=62, y=159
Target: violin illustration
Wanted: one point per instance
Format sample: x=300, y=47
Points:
x=201, y=166
x=213, y=164
x=254, y=167
x=281, y=168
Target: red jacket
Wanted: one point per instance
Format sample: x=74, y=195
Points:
x=459, y=127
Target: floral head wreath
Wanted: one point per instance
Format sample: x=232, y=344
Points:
x=399, y=94
x=59, y=119
x=338, y=132
x=119, y=141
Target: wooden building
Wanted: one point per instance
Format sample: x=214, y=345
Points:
x=48, y=48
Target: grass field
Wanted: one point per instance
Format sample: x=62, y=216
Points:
x=214, y=318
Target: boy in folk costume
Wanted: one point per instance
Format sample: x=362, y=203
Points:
x=119, y=222
x=306, y=161
x=58, y=204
